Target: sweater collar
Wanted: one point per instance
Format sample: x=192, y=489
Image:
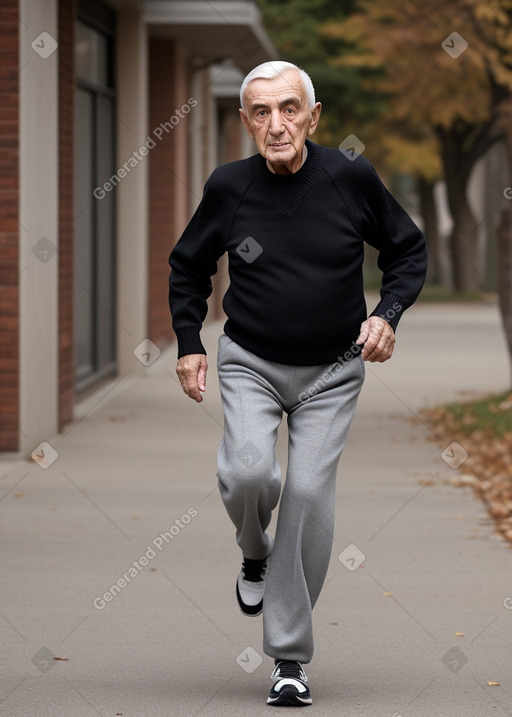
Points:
x=288, y=190
x=308, y=170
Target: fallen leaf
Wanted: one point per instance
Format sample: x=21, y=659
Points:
x=387, y=594
x=488, y=467
x=459, y=634
x=17, y=495
x=465, y=479
x=493, y=684
x=62, y=659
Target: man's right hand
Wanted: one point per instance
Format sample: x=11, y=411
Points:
x=191, y=370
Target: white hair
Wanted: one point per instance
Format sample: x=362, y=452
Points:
x=272, y=69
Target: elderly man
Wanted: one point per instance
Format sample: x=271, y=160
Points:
x=293, y=220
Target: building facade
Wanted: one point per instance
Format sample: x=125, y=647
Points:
x=113, y=114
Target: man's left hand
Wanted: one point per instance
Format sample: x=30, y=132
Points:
x=378, y=338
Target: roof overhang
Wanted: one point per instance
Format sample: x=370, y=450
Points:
x=212, y=31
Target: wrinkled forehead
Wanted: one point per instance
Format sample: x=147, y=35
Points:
x=288, y=84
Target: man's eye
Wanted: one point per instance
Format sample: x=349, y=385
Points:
x=261, y=113
x=289, y=111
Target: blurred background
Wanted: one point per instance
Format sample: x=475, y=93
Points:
x=113, y=115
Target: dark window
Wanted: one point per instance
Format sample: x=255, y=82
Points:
x=94, y=231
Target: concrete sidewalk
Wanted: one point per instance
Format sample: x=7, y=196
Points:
x=132, y=499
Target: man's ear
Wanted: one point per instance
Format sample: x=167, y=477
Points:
x=315, y=116
x=246, y=124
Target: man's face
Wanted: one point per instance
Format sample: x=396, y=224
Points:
x=277, y=115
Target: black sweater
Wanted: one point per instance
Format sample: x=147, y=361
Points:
x=295, y=247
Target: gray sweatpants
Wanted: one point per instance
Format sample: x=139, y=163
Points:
x=320, y=402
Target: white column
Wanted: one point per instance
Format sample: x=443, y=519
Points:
x=38, y=219
x=132, y=191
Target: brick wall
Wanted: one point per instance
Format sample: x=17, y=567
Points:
x=67, y=14
x=168, y=176
x=9, y=259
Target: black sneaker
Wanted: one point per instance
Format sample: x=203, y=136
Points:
x=250, y=586
x=290, y=688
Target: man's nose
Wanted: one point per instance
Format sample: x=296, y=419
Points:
x=276, y=122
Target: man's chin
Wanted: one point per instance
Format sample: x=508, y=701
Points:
x=283, y=153
x=286, y=155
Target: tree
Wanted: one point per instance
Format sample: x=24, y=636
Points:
x=494, y=31
x=504, y=234
x=437, y=79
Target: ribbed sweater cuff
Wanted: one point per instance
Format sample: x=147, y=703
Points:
x=189, y=341
x=391, y=307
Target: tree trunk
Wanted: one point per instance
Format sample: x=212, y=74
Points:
x=464, y=247
x=463, y=240
x=504, y=237
x=461, y=146
x=431, y=227
x=504, y=247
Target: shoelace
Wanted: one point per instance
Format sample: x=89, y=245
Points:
x=254, y=570
x=288, y=668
